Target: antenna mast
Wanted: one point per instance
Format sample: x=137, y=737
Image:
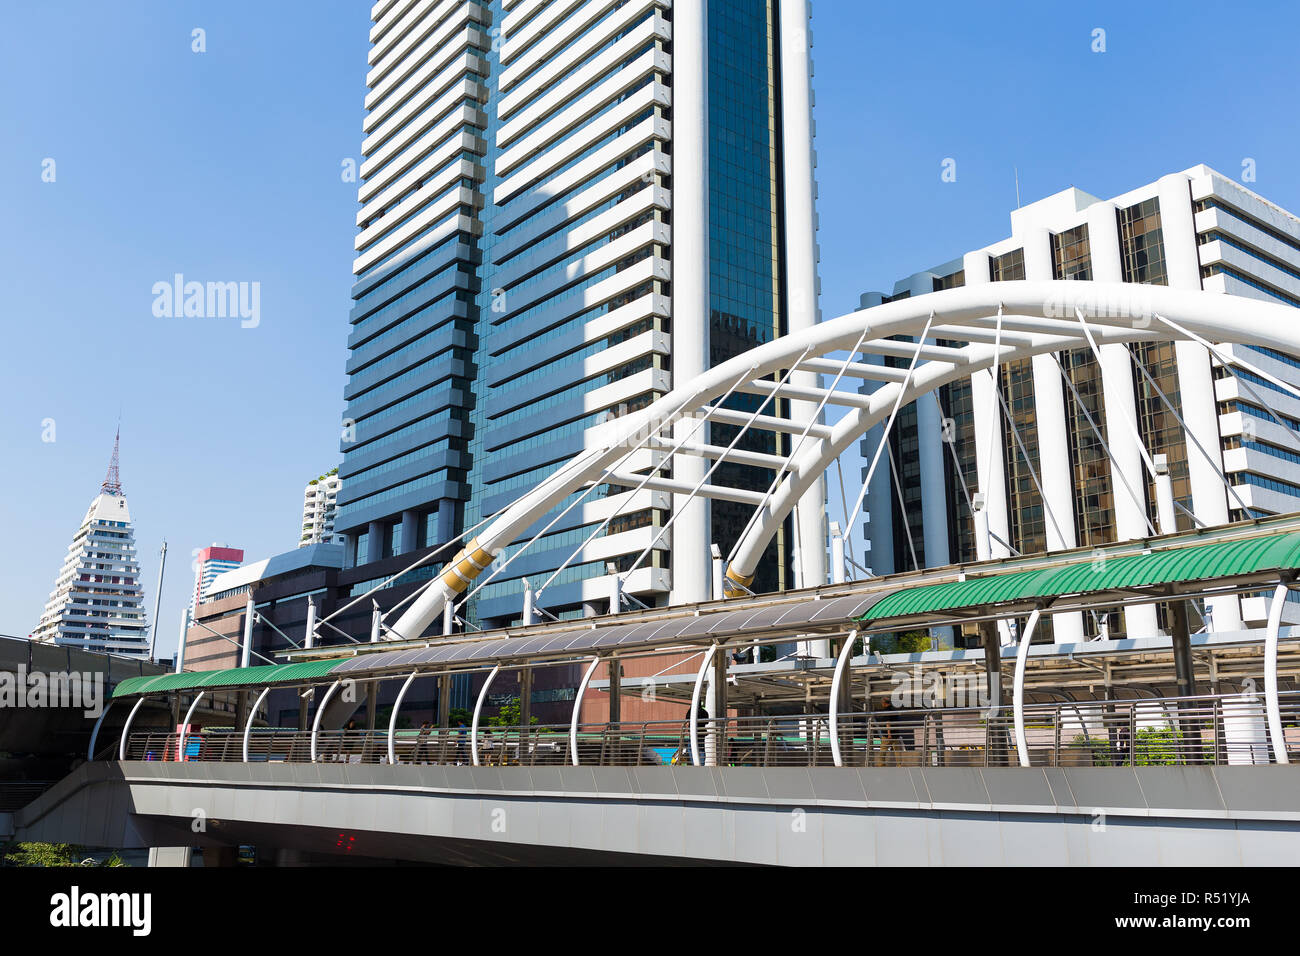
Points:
x=113, y=482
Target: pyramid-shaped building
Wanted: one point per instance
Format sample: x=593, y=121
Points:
x=98, y=603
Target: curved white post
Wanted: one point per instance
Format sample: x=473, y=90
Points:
x=577, y=708
x=1018, y=696
x=320, y=712
x=695, y=704
x=180, y=733
x=1271, y=707
x=252, y=714
x=126, y=729
x=94, y=734
x=841, y=665
x=478, y=709
x=392, y=724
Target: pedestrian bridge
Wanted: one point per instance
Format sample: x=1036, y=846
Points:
x=920, y=816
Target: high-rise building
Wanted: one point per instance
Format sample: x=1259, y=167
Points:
x=98, y=603
x=1050, y=482
x=319, y=507
x=567, y=207
x=210, y=562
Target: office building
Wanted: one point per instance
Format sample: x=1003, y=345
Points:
x=566, y=208
x=98, y=602
x=1049, y=482
x=208, y=563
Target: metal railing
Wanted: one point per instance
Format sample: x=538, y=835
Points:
x=1184, y=731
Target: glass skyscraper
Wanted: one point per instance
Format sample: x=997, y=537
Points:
x=565, y=206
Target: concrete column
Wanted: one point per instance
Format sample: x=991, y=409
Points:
x=798, y=161
x=375, y=546
x=690, y=270
x=615, y=667
x=175, y=856
x=372, y=703
x=1195, y=380
x=410, y=531
x=990, y=454
x=1128, y=477
x=1053, y=465
x=525, y=696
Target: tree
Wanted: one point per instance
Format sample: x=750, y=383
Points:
x=509, y=715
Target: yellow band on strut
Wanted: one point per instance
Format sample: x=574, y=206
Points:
x=466, y=566
x=735, y=584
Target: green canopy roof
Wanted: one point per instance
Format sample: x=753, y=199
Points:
x=1187, y=562
x=231, y=677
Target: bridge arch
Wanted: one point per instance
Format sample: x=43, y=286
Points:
x=994, y=322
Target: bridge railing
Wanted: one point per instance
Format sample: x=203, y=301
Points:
x=1185, y=731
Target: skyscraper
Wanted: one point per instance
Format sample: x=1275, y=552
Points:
x=1063, y=464
x=319, y=506
x=98, y=603
x=566, y=208
x=210, y=562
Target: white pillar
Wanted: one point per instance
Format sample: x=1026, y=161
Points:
x=878, y=530
x=798, y=162
x=1128, y=477
x=529, y=613
x=719, y=572
x=690, y=271
x=376, y=618
x=246, y=651
x=990, y=454
x=1166, y=517
x=838, y=570
x=309, y=637
x=1053, y=465
x=1195, y=380
x=180, y=645
x=449, y=618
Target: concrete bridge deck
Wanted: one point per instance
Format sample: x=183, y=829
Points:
x=1204, y=816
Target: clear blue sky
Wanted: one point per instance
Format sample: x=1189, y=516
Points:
x=225, y=165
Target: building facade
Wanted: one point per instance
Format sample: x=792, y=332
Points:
x=1071, y=472
x=319, y=507
x=565, y=208
x=208, y=563
x=98, y=601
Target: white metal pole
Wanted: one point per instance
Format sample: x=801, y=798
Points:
x=577, y=710
x=157, y=604
x=309, y=639
x=246, y=652
x=180, y=731
x=375, y=619
x=529, y=611
x=126, y=729
x=180, y=645
x=1018, y=698
x=838, y=569
x=695, y=704
x=252, y=715
x=1271, y=705
x=719, y=567
x=94, y=734
x=448, y=618
x=320, y=712
x=478, y=709
x=841, y=666
x=392, y=724
x=1166, y=520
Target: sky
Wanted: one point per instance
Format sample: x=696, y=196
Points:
x=226, y=165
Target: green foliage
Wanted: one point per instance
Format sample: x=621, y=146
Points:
x=907, y=642
x=459, y=715
x=52, y=854
x=509, y=715
x=1154, y=747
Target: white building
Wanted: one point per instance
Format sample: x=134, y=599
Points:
x=566, y=209
x=209, y=562
x=319, y=506
x=1194, y=229
x=98, y=602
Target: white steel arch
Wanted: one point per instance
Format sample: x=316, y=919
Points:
x=990, y=323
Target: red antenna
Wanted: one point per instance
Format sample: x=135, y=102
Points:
x=113, y=482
